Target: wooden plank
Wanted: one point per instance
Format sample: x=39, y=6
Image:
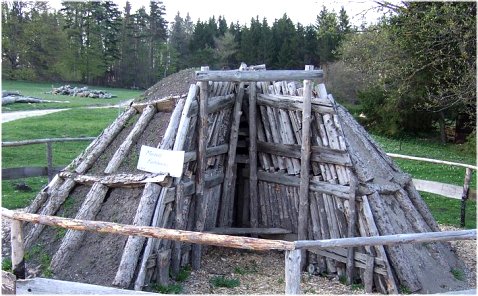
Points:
x=18, y=251
x=294, y=103
x=447, y=190
x=229, y=241
x=352, y=225
x=253, y=155
x=201, y=202
x=292, y=272
x=242, y=231
x=210, y=152
x=26, y=172
x=319, y=154
x=43, y=141
x=227, y=199
x=317, y=186
x=269, y=75
x=214, y=104
x=305, y=163
x=43, y=286
x=359, y=263
x=116, y=180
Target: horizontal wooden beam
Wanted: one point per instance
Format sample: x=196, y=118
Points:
x=209, y=182
x=210, y=152
x=214, y=104
x=464, y=165
x=166, y=104
x=44, y=141
x=294, y=103
x=317, y=186
x=241, y=231
x=393, y=239
x=269, y=75
x=117, y=180
x=319, y=154
x=227, y=241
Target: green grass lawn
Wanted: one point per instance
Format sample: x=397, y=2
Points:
x=38, y=89
x=430, y=148
x=70, y=123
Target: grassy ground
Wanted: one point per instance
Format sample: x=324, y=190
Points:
x=73, y=123
x=430, y=148
x=37, y=89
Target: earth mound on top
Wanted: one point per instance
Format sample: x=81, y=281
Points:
x=173, y=85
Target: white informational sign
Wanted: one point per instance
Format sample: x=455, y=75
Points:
x=161, y=161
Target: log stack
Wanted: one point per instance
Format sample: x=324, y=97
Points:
x=310, y=172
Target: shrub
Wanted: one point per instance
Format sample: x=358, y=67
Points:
x=221, y=281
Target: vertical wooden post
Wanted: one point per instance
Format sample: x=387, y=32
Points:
x=303, y=217
x=18, y=251
x=227, y=189
x=49, y=159
x=368, y=274
x=292, y=272
x=201, y=204
x=351, y=226
x=464, y=196
x=253, y=155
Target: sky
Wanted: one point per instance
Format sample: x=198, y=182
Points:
x=303, y=11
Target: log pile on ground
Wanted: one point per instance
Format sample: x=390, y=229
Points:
x=11, y=97
x=85, y=92
x=246, y=143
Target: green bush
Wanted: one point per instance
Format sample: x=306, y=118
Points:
x=169, y=289
x=221, y=281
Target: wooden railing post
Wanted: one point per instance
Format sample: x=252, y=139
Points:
x=292, y=272
x=49, y=159
x=18, y=251
x=464, y=196
x=253, y=155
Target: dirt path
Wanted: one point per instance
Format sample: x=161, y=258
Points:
x=11, y=116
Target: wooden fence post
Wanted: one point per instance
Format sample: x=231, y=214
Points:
x=201, y=200
x=253, y=155
x=18, y=251
x=49, y=159
x=464, y=196
x=303, y=217
x=292, y=272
